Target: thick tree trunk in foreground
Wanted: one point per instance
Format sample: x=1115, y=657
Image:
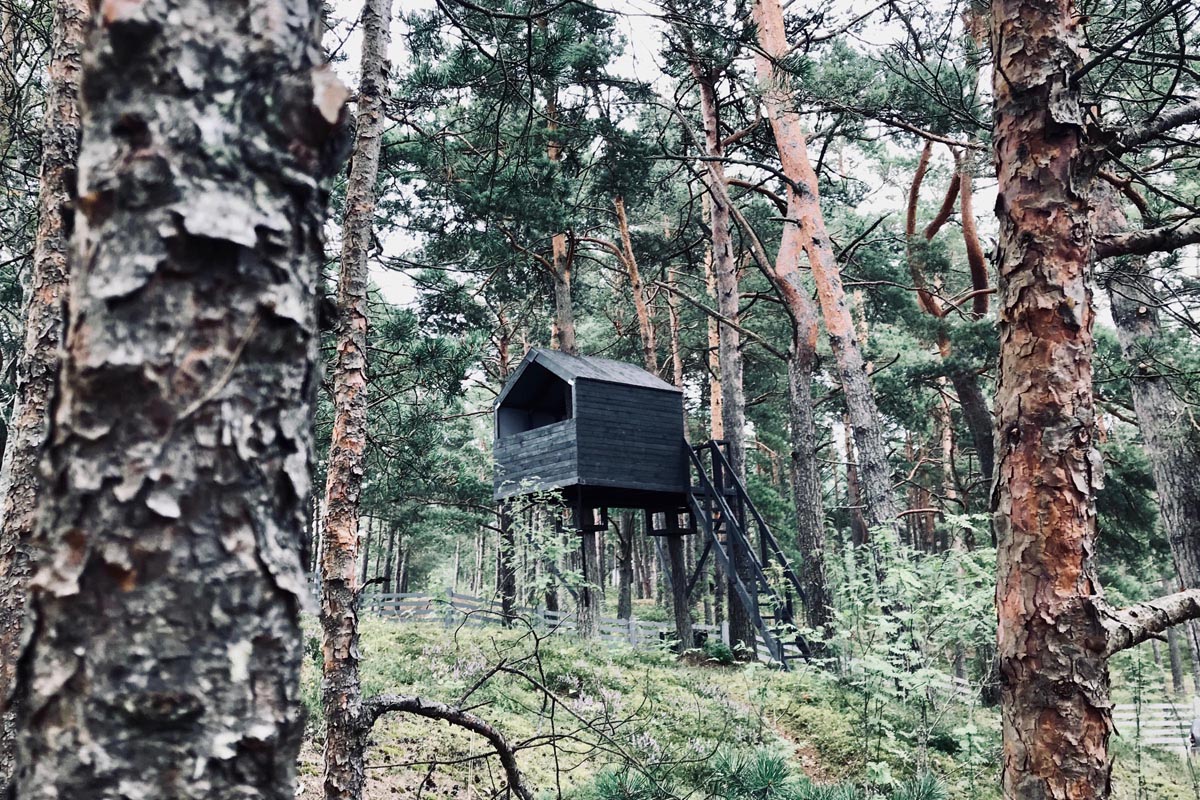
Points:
x=875, y=475
x=733, y=396
x=164, y=647
x=805, y=475
x=20, y=478
x=1055, y=707
x=341, y=689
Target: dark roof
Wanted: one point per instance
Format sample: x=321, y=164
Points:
x=592, y=368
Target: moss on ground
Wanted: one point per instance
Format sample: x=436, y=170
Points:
x=650, y=708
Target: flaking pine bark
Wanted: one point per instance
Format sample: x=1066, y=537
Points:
x=341, y=687
x=163, y=646
x=1055, y=631
x=20, y=478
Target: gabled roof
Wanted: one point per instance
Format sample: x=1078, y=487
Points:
x=593, y=368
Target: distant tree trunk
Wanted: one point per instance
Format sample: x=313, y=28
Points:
x=641, y=305
x=680, y=604
x=365, y=538
x=389, y=563
x=165, y=659
x=341, y=688
x=1174, y=653
x=20, y=479
x=589, y=593
x=716, y=407
x=506, y=562
x=625, y=566
x=733, y=397
x=676, y=348
x=802, y=358
x=1169, y=433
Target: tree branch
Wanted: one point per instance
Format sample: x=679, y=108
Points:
x=1183, y=115
x=431, y=709
x=1129, y=627
x=1149, y=240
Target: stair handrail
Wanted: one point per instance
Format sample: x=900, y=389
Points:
x=734, y=528
x=763, y=528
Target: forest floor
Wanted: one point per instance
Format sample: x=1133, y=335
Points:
x=616, y=704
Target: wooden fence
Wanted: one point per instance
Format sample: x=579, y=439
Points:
x=1158, y=724
x=453, y=608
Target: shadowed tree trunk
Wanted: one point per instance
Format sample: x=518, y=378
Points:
x=20, y=479
x=507, y=565
x=625, y=534
x=341, y=688
x=1169, y=434
x=164, y=650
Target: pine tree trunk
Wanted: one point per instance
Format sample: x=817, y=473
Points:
x=1174, y=653
x=588, y=609
x=806, y=495
x=1054, y=702
x=37, y=366
x=366, y=550
x=680, y=604
x=1169, y=434
x=805, y=475
x=164, y=657
x=341, y=688
x=625, y=566
x=506, y=564
x=733, y=397
x=645, y=321
x=874, y=472
x=389, y=563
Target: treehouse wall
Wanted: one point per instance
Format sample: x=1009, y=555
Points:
x=604, y=432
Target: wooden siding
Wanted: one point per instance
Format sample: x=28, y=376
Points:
x=536, y=460
x=630, y=437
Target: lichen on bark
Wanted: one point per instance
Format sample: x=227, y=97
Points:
x=163, y=642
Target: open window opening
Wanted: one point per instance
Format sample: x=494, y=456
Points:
x=538, y=399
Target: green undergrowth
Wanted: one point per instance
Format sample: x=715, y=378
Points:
x=638, y=725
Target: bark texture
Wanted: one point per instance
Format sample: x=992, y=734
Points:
x=163, y=651
x=20, y=478
x=341, y=686
x=1051, y=640
x=729, y=348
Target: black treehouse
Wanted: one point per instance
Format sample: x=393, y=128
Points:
x=603, y=433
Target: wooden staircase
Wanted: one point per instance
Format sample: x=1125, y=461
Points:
x=748, y=553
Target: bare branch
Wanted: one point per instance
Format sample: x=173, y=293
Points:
x=1128, y=627
x=431, y=709
x=1151, y=240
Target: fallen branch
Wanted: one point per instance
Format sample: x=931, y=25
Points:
x=382, y=704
